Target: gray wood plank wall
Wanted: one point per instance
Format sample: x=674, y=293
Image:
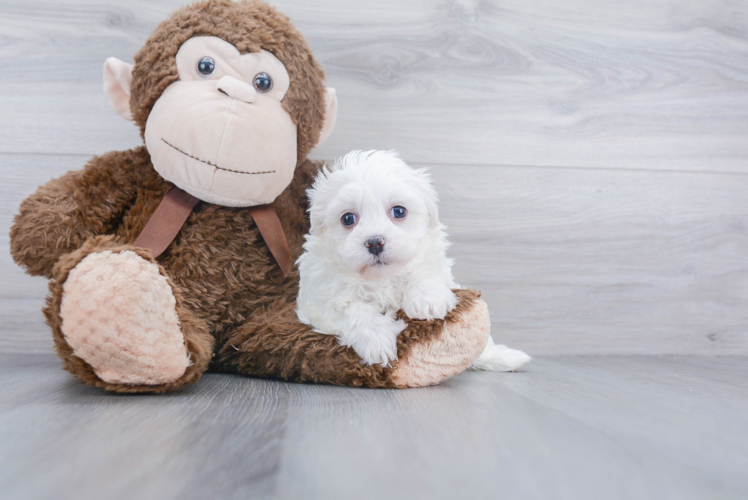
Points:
x=591, y=155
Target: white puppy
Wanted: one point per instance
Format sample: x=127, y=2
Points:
x=376, y=246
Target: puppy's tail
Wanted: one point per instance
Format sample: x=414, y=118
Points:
x=499, y=358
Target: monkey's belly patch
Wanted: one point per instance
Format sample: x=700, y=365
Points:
x=214, y=165
x=119, y=316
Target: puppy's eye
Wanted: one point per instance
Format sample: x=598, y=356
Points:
x=398, y=212
x=348, y=219
x=206, y=66
x=263, y=82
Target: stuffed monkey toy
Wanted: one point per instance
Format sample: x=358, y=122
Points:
x=175, y=257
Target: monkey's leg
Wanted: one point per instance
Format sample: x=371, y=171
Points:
x=119, y=323
x=272, y=343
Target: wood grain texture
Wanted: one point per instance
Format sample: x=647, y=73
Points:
x=577, y=261
x=567, y=427
x=580, y=83
x=591, y=160
x=570, y=261
x=637, y=247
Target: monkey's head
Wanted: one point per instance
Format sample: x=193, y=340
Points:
x=228, y=98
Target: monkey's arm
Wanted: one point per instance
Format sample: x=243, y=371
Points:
x=71, y=209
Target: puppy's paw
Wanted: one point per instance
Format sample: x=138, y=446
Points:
x=376, y=342
x=429, y=303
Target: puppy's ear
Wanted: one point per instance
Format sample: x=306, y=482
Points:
x=316, y=221
x=428, y=195
x=318, y=197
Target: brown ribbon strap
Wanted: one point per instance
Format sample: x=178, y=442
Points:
x=272, y=232
x=166, y=221
x=177, y=205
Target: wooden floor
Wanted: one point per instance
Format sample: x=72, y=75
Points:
x=582, y=428
x=592, y=162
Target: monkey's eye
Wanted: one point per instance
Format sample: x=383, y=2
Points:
x=263, y=83
x=398, y=212
x=348, y=219
x=206, y=66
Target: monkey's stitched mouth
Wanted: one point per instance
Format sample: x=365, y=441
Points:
x=213, y=165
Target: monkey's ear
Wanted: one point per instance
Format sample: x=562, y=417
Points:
x=331, y=114
x=117, y=80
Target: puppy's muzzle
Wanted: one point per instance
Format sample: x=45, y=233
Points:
x=375, y=245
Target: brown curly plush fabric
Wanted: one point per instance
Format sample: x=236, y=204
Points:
x=234, y=305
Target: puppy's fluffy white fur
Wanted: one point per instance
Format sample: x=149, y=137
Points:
x=352, y=291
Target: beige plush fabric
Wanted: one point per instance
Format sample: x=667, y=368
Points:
x=117, y=81
x=250, y=27
x=118, y=315
x=218, y=138
x=460, y=343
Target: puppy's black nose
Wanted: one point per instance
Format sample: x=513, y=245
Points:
x=375, y=244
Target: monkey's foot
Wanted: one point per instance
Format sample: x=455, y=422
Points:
x=458, y=342
x=119, y=315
